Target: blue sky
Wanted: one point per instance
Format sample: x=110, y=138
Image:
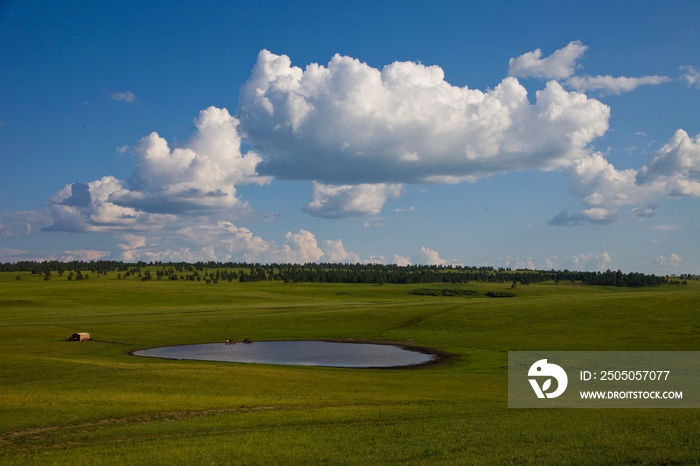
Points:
x=512, y=134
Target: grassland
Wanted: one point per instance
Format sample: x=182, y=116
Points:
x=92, y=403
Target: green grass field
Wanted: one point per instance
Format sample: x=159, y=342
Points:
x=91, y=403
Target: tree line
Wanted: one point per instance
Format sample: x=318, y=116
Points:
x=331, y=273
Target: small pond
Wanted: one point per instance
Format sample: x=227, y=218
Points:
x=298, y=353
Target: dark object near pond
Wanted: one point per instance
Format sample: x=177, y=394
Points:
x=298, y=353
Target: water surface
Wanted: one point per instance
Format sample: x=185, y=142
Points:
x=298, y=353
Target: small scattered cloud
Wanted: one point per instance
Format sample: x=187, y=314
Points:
x=15, y=229
x=673, y=260
x=266, y=217
x=375, y=222
x=128, y=249
x=630, y=149
x=531, y=263
x=691, y=77
x=126, y=96
x=23, y=223
x=594, y=215
x=302, y=247
x=17, y=255
x=525, y=264
x=548, y=262
x=431, y=257
x=344, y=201
x=648, y=210
x=608, y=85
x=559, y=65
x=372, y=259
x=122, y=149
x=225, y=242
x=666, y=227
x=562, y=65
x=588, y=262
x=85, y=255
x=401, y=261
x=410, y=209
x=333, y=251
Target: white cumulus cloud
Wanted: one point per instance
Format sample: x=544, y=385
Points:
x=87, y=207
x=676, y=165
x=195, y=179
x=350, y=124
x=199, y=176
x=361, y=134
x=671, y=171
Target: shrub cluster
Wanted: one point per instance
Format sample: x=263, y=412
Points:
x=442, y=292
x=499, y=294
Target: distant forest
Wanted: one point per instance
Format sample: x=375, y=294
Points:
x=215, y=272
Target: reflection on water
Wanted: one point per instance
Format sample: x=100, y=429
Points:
x=298, y=353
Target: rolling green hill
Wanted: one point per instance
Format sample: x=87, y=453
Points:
x=92, y=403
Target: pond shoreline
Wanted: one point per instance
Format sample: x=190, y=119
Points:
x=438, y=356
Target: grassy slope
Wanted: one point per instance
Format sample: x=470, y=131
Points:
x=92, y=403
